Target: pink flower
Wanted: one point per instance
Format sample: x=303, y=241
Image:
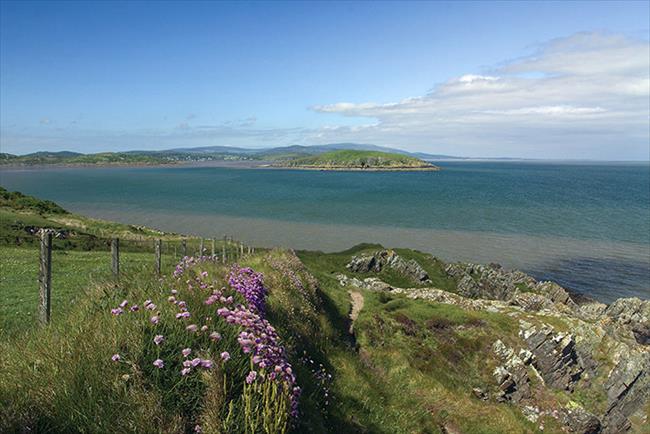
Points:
x=206, y=363
x=146, y=303
x=155, y=319
x=225, y=356
x=186, y=352
x=135, y=308
x=117, y=311
x=150, y=306
x=158, y=339
x=204, y=328
x=182, y=315
x=192, y=328
x=196, y=362
x=204, y=274
x=186, y=371
x=171, y=299
x=251, y=377
x=123, y=304
x=116, y=358
x=174, y=292
x=158, y=363
x=215, y=336
x=197, y=429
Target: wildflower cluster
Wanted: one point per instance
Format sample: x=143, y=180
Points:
x=257, y=337
x=249, y=284
x=190, y=261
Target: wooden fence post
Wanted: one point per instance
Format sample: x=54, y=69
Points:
x=115, y=254
x=45, y=277
x=184, y=247
x=158, y=248
x=223, y=250
x=213, y=252
x=241, y=249
x=201, y=248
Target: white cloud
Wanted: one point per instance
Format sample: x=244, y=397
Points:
x=584, y=96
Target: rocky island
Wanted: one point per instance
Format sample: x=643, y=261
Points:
x=347, y=160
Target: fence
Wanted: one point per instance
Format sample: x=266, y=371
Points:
x=223, y=251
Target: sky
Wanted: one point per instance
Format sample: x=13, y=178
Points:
x=554, y=80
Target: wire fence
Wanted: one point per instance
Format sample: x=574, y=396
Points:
x=119, y=252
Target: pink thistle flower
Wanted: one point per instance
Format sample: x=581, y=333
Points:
x=192, y=328
x=186, y=352
x=186, y=371
x=225, y=356
x=123, y=304
x=251, y=377
x=215, y=336
x=116, y=358
x=158, y=363
x=154, y=319
x=158, y=339
x=206, y=363
x=196, y=362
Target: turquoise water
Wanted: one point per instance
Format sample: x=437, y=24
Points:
x=586, y=225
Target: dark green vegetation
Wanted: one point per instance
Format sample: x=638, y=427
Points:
x=358, y=160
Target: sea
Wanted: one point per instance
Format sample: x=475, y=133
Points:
x=583, y=225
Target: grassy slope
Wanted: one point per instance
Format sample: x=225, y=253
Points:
x=357, y=159
x=410, y=367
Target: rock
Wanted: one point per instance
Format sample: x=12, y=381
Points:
x=632, y=314
x=628, y=388
x=493, y=283
x=480, y=393
x=578, y=420
x=554, y=354
x=388, y=258
x=555, y=293
x=531, y=413
x=512, y=376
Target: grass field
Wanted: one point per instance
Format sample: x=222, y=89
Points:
x=72, y=273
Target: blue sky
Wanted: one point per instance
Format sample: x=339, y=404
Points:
x=543, y=80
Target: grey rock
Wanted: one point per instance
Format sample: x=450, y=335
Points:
x=492, y=283
x=388, y=259
x=632, y=314
x=578, y=420
x=555, y=357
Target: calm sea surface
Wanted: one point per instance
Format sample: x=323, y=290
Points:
x=586, y=226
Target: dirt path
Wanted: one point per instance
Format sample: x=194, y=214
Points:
x=357, y=305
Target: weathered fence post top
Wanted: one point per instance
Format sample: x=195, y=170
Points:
x=45, y=276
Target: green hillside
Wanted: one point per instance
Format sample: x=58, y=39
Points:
x=358, y=160
x=368, y=340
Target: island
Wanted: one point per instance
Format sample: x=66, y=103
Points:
x=349, y=160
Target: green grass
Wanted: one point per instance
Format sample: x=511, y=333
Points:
x=72, y=273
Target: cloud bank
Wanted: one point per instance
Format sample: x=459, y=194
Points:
x=584, y=96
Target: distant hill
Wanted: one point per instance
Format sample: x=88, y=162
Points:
x=357, y=160
x=200, y=154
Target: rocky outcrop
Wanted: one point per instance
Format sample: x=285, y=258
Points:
x=555, y=355
x=389, y=259
x=632, y=314
x=579, y=420
x=489, y=282
x=512, y=376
